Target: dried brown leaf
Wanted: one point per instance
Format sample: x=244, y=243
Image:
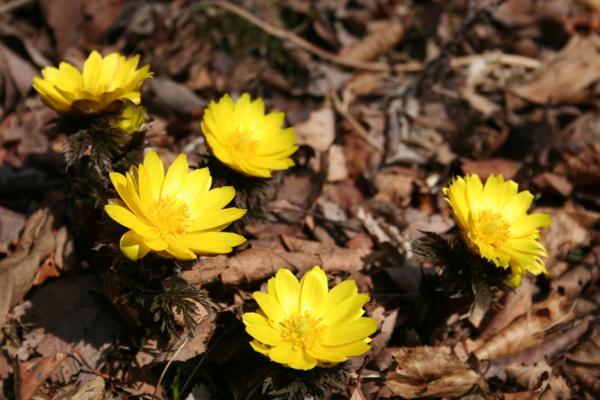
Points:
x=384, y=36
x=566, y=77
x=33, y=373
x=588, y=352
x=527, y=330
x=430, y=372
x=513, y=305
x=565, y=233
x=11, y=224
x=530, y=377
x=318, y=131
x=256, y=264
x=491, y=166
x=183, y=348
x=552, y=345
x=91, y=390
x=573, y=281
x=18, y=269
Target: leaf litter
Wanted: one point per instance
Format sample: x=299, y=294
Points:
x=390, y=100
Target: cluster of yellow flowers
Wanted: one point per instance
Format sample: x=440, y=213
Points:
x=300, y=324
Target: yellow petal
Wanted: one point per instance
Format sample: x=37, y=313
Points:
x=313, y=291
x=347, y=311
x=288, y=290
x=339, y=293
x=126, y=218
x=351, y=332
x=132, y=245
x=212, y=242
x=175, y=176
x=270, y=306
x=352, y=349
x=260, y=348
x=324, y=354
x=217, y=219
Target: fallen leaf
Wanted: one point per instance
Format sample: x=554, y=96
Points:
x=530, y=377
x=550, y=182
x=395, y=184
x=184, y=347
x=33, y=373
x=571, y=283
x=18, y=269
x=252, y=265
x=557, y=389
x=564, y=234
x=55, y=13
x=527, y=330
x=514, y=304
x=55, y=325
x=564, y=78
x=552, y=345
x=20, y=71
x=11, y=224
x=491, y=166
x=588, y=352
x=91, y=390
x=175, y=97
x=383, y=36
x=481, y=303
x=430, y=372
x=318, y=131
x=336, y=170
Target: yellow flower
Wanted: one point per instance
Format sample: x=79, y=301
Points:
x=103, y=83
x=303, y=324
x=242, y=137
x=174, y=214
x=131, y=119
x=495, y=224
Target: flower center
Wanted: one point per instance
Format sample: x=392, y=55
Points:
x=491, y=228
x=302, y=330
x=170, y=217
x=241, y=142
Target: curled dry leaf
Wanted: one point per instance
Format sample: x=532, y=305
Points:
x=564, y=78
x=256, y=264
x=318, y=131
x=586, y=378
x=514, y=304
x=552, y=345
x=91, y=390
x=395, y=184
x=430, y=372
x=530, y=377
x=491, y=166
x=481, y=303
x=573, y=281
x=384, y=36
x=565, y=233
x=183, y=348
x=557, y=389
x=33, y=373
x=588, y=352
x=527, y=330
x=18, y=269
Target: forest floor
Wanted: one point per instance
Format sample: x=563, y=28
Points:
x=390, y=100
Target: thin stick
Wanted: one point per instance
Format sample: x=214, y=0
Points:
x=164, y=371
x=201, y=361
x=297, y=40
x=13, y=5
x=362, y=132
